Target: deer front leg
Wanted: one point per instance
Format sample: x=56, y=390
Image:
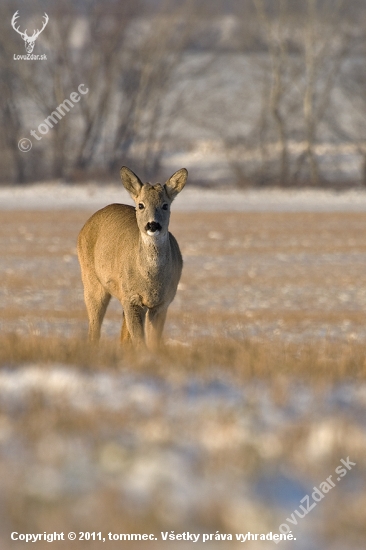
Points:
x=96, y=301
x=154, y=327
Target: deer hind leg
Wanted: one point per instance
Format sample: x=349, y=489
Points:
x=125, y=335
x=133, y=325
x=154, y=327
x=96, y=301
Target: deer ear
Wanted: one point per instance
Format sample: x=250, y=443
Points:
x=175, y=184
x=131, y=182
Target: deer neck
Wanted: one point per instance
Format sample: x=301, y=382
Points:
x=154, y=255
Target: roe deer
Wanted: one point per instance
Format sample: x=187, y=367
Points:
x=129, y=253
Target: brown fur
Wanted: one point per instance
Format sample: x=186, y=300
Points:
x=120, y=256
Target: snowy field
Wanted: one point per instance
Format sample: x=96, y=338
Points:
x=204, y=449
x=194, y=199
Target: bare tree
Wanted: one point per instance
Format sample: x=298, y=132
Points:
x=303, y=80
x=146, y=70
x=278, y=54
x=326, y=45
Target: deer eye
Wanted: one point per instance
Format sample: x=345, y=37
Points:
x=165, y=206
x=141, y=205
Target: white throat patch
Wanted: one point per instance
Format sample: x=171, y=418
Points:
x=154, y=237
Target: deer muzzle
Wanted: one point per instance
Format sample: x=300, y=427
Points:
x=153, y=228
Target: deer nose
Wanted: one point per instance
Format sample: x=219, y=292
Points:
x=153, y=226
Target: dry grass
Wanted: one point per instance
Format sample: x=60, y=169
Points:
x=324, y=362
x=269, y=288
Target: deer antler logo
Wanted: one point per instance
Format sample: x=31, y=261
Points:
x=29, y=40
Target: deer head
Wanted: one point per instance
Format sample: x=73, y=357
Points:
x=29, y=40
